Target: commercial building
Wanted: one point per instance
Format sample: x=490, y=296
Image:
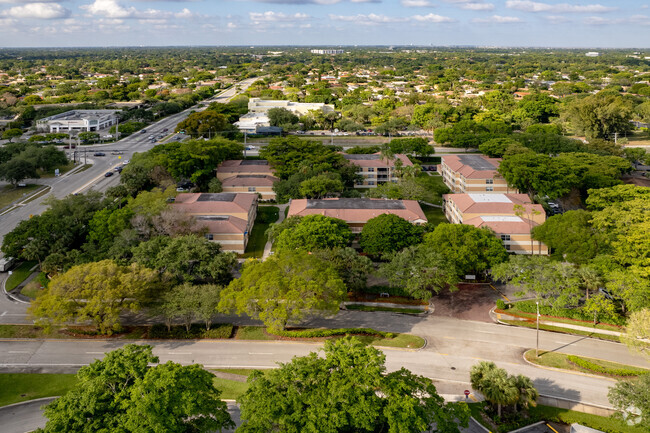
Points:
x=228, y=217
x=357, y=211
x=375, y=169
x=473, y=173
x=317, y=51
x=78, y=120
x=257, y=105
x=254, y=176
x=510, y=216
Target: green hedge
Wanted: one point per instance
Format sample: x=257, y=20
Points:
x=393, y=291
x=569, y=313
x=196, y=331
x=588, y=365
x=315, y=333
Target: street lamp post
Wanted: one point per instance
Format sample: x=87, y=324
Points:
x=537, y=346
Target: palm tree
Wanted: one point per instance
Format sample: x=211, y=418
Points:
x=590, y=279
x=499, y=389
x=386, y=152
x=528, y=394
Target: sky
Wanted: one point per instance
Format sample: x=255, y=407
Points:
x=514, y=23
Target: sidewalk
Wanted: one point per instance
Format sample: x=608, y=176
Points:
x=269, y=244
x=498, y=317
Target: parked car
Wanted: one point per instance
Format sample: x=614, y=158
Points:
x=118, y=169
x=99, y=154
x=142, y=131
x=117, y=152
x=126, y=161
x=108, y=174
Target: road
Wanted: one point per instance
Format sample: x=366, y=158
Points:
x=93, y=177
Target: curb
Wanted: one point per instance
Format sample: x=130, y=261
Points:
x=9, y=295
x=29, y=401
x=561, y=370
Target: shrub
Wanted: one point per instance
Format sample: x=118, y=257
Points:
x=588, y=365
x=568, y=313
x=501, y=305
x=321, y=333
x=393, y=291
x=196, y=331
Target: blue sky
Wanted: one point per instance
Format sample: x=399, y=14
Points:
x=543, y=23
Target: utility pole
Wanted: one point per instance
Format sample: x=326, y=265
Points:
x=615, y=137
x=537, y=346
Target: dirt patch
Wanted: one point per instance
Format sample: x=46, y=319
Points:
x=469, y=302
x=637, y=180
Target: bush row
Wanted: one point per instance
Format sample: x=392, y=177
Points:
x=315, y=333
x=568, y=313
x=196, y=331
x=588, y=365
x=393, y=291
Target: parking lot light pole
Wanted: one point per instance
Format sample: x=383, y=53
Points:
x=537, y=346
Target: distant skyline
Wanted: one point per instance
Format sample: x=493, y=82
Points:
x=568, y=23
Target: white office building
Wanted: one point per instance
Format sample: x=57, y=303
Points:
x=78, y=120
x=257, y=105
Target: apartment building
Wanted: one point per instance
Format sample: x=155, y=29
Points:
x=510, y=216
x=228, y=217
x=357, y=211
x=375, y=169
x=244, y=176
x=473, y=174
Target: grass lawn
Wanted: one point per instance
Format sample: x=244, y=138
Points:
x=19, y=274
x=357, y=307
x=588, y=324
x=562, y=330
x=434, y=215
x=406, y=341
x=32, y=289
x=434, y=186
x=560, y=360
x=62, y=169
x=230, y=389
x=9, y=194
x=265, y=216
x=252, y=333
x=17, y=387
x=639, y=138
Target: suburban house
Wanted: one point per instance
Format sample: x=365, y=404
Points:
x=473, y=173
x=254, y=176
x=228, y=217
x=497, y=212
x=375, y=169
x=357, y=211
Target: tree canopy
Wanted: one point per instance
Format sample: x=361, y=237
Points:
x=315, y=232
x=387, y=233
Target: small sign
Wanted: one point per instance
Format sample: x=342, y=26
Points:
x=56, y=172
x=466, y=392
x=470, y=277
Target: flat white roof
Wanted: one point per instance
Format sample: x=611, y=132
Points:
x=501, y=218
x=489, y=198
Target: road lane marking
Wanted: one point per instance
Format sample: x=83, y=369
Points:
x=19, y=351
x=178, y=353
x=449, y=338
x=3, y=313
x=260, y=353
x=95, y=353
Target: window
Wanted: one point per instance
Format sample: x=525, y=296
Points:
x=371, y=169
x=209, y=236
x=505, y=237
x=251, y=189
x=489, y=188
x=371, y=182
x=489, y=181
x=370, y=176
x=507, y=247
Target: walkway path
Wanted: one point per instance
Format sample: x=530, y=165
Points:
x=498, y=317
x=269, y=244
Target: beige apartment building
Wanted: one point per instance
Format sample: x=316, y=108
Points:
x=357, y=211
x=473, y=174
x=375, y=169
x=497, y=212
x=247, y=176
x=228, y=217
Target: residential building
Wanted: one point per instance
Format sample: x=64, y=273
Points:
x=473, y=173
x=375, y=169
x=236, y=167
x=254, y=183
x=78, y=120
x=498, y=212
x=357, y=211
x=228, y=217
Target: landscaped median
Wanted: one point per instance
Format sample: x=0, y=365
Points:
x=216, y=331
x=580, y=364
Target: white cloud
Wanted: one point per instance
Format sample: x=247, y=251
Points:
x=370, y=19
x=531, y=6
x=433, y=18
x=269, y=16
x=43, y=11
x=109, y=9
x=477, y=6
x=498, y=19
x=417, y=4
x=557, y=19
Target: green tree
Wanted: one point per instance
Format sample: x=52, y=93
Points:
x=321, y=186
x=421, y=270
x=284, y=289
x=16, y=170
x=347, y=390
x=122, y=393
x=10, y=134
x=98, y=292
x=351, y=267
x=281, y=117
x=600, y=115
x=600, y=307
x=501, y=389
x=205, y=123
x=637, y=332
x=315, y=232
x=632, y=398
x=387, y=233
x=497, y=147
x=473, y=250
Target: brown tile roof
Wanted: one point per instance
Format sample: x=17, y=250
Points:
x=250, y=180
x=522, y=226
x=476, y=169
x=214, y=204
x=491, y=203
x=357, y=210
x=222, y=224
x=238, y=166
x=375, y=160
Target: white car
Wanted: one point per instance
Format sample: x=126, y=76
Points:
x=125, y=162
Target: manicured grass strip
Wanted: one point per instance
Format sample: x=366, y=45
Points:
x=587, y=324
x=257, y=240
x=9, y=194
x=17, y=387
x=357, y=307
x=19, y=274
x=239, y=371
x=32, y=289
x=525, y=324
x=252, y=333
x=230, y=389
x=406, y=341
x=583, y=364
x=574, y=315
